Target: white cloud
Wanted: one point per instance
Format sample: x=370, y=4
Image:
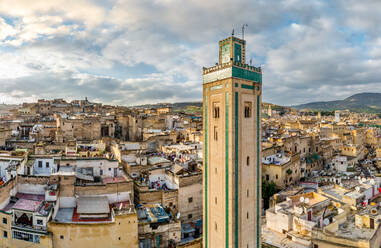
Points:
x=140, y=51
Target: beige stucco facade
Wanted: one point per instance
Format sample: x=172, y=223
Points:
x=122, y=233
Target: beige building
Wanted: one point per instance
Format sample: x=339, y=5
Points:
x=232, y=159
x=283, y=170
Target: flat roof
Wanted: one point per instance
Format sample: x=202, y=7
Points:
x=27, y=205
x=93, y=205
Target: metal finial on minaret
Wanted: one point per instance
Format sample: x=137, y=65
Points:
x=243, y=31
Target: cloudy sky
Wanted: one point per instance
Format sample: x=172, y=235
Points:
x=129, y=52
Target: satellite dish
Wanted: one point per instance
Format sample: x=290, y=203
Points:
x=301, y=199
x=299, y=211
x=326, y=222
x=374, y=211
x=178, y=215
x=357, y=188
x=307, y=200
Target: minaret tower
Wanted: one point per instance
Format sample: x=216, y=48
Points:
x=232, y=93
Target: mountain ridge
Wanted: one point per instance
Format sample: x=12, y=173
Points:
x=361, y=102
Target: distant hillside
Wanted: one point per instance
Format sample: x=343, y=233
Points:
x=196, y=107
x=362, y=102
x=187, y=107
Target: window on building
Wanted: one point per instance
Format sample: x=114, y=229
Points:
x=215, y=200
x=190, y=216
x=40, y=222
x=247, y=193
x=216, y=112
x=61, y=237
x=5, y=234
x=247, y=160
x=39, y=164
x=247, y=109
x=316, y=246
x=267, y=177
x=276, y=176
x=215, y=226
x=247, y=215
x=47, y=164
x=317, y=149
x=215, y=133
x=190, y=199
x=5, y=221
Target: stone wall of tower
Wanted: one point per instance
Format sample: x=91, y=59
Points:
x=249, y=161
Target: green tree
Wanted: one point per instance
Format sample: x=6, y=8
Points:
x=268, y=190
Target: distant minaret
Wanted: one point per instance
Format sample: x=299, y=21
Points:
x=319, y=115
x=269, y=111
x=232, y=94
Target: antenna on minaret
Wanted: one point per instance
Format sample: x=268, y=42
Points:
x=233, y=32
x=243, y=31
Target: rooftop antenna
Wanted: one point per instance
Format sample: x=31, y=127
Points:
x=243, y=31
x=233, y=32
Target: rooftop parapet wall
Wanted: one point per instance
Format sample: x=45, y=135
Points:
x=229, y=64
x=232, y=69
x=227, y=40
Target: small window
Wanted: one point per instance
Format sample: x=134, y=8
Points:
x=5, y=234
x=248, y=161
x=190, y=199
x=267, y=177
x=247, y=193
x=215, y=133
x=216, y=112
x=215, y=200
x=61, y=237
x=109, y=169
x=247, y=215
x=39, y=164
x=40, y=222
x=101, y=172
x=215, y=226
x=5, y=221
x=190, y=216
x=247, y=109
x=47, y=164
x=276, y=176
